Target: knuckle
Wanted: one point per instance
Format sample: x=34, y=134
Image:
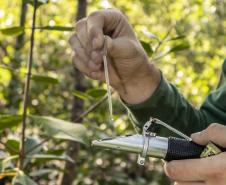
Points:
x=95, y=14
x=120, y=13
x=80, y=24
x=214, y=128
x=72, y=39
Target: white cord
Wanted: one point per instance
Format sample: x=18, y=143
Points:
x=106, y=73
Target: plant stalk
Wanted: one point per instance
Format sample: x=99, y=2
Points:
x=26, y=88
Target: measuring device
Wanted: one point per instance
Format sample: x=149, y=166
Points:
x=150, y=145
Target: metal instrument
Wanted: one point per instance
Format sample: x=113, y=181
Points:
x=150, y=145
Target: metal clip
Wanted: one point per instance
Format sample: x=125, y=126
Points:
x=146, y=136
x=148, y=132
x=159, y=122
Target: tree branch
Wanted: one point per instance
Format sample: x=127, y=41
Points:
x=26, y=88
x=91, y=108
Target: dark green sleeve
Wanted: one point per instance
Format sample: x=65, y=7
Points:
x=168, y=105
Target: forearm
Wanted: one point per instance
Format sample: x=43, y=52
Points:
x=140, y=88
x=167, y=104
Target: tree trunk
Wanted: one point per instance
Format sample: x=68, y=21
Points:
x=77, y=109
x=12, y=96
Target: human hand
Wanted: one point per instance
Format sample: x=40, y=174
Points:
x=130, y=72
x=205, y=171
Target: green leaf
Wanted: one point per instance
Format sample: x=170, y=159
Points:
x=179, y=47
x=41, y=172
x=30, y=143
x=147, y=48
x=96, y=93
x=12, y=146
x=12, y=31
x=48, y=157
x=8, y=121
x=177, y=38
x=22, y=179
x=56, y=28
x=81, y=95
x=44, y=79
x=61, y=129
x=6, y=161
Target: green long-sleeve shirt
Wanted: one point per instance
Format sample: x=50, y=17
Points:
x=168, y=105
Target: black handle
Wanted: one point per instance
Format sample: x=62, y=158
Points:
x=183, y=149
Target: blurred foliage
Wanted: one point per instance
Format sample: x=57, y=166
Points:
x=186, y=39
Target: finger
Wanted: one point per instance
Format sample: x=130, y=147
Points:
x=215, y=133
x=79, y=64
x=187, y=170
x=78, y=48
x=82, y=66
x=100, y=22
x=189, y=183
x=97, y=57
x=81, y=31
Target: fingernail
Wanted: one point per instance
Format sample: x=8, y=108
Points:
x=195, y=135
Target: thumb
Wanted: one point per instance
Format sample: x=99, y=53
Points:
x=121, y=47
x=215, y=133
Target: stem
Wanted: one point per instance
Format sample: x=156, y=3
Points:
x=91, y=108
x=26, y=88
x=164, y=38
x=36, y=146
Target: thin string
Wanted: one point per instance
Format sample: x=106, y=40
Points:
x=106, y=73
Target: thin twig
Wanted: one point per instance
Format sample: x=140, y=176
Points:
x=91, y=108
x=36, y=146
x=26, y=88
x=164, y=38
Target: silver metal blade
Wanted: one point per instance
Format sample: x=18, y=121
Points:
x=157, y=145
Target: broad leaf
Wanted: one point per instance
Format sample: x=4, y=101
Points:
x=81, y=95
x=6, y=162
x=12, y=31
x=179, y=47
x=56, y=28
x=22, y=179
x=12, y=146
x=44, y=79
x=96, y=93
x=48, y=157
x=177, y=38
x=61, y=129
x=41, y=172
x=30, y=143
x=8, y=121
x=147, y=48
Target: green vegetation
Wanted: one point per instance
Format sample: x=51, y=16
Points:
x=186, y=39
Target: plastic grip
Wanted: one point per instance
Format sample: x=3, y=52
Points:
x=182, y=149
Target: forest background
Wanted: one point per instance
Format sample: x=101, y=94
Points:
x=186, y=39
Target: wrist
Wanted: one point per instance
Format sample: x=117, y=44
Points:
x=141, y=87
